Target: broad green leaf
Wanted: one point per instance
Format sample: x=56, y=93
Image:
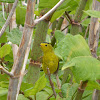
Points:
x=9, y=57
x=41, y=95
x=86, y=22
x=72, y=46
x=4, y=77
x=67, y=5
x=93, y=85
x=14, y=36
x=5, y=50
x=68, y=90
x=22, y=97
x=4, y=84
x=3, y=38
x=38, y=86
x=44, y=4
x=57, y=14
x=20, y=14
x=84, y=68
x=89, y=4
x=93, y=13
x=25, y=86
x=3, y=91
x=7, y=1
x=87, y=95
x=59, y=35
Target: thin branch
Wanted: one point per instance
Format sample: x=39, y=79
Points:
x=9, y=17
x=51, y=83
x=84, y=19
x=65, y=27
x=5, y=71
x=50, y=97
x=58, y=82
x=87, y=29
x=68, y=17
x=3, y=11
x=49, y=12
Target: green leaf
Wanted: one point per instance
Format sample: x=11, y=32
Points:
x=3, y=38
x=72, y=46
x=3, y=91
x=67, y=5
x=14, y=36
x=25, y=86
x=84, y=68
x=86, y=22
x=93, y=85
x=22, y=97
x=5, y=50
x=93, y=13
x=4, y=77
x=38, y=86
x=68, y=90
x=87, y=95
x=20, y=14
x=7, y=1
x=4, y=84
x=57, y=14
x=59, y=35
x=44, y=4
x=41, y=95
x=9, y=57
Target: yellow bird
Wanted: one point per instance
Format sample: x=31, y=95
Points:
x=50, y=60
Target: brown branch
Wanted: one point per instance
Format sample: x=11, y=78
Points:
x=84, y=19
x=68, y=17
x=50, y=97
x=65, y=27
x=5, y=71
x=87, y=29
x=51, y=83
x=80, y=90
x=22, y=54
x=9, y=17
x=58, y=82
x=49, y=12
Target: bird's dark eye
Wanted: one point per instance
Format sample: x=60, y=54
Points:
x=45, y=45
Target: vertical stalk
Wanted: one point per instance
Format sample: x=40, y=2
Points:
x=75, y=27
x=36, y=53
x=93, y=40
x=80, y=90
x=22, y=54
x=53, y=40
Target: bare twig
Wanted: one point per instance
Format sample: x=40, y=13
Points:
x=9, y=17
x=84, y=19
x=58, y=82
x=50, y=97
x=65, y=27
x=51, y=83
x=3, y=11
x=86, y=31
x=49, y=12
x=5, y=71
x=68, y=17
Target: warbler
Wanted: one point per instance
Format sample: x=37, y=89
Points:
x=50, y=60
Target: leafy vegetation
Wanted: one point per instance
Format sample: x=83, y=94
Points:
x=73, y=52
